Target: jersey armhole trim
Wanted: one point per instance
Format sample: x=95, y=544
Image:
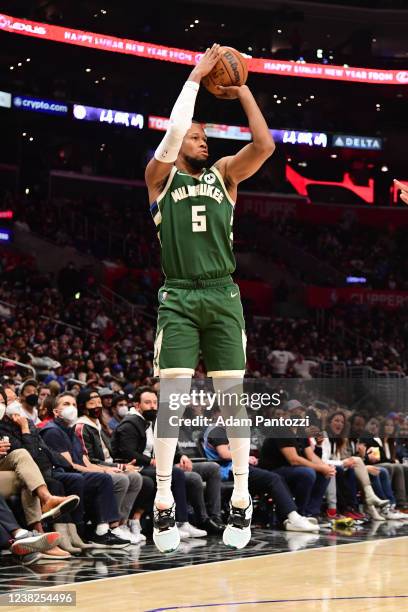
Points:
x=167, y=185
x=219, y=177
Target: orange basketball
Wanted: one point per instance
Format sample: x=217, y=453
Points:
x=231, y=69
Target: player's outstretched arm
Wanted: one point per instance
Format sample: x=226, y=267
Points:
x=248, y=160
x=404, y=191
x=159, y=167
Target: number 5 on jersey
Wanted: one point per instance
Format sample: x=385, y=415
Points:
x=198, y=218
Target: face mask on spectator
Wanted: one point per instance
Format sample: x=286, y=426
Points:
x=94, y=413
x=32, y=399
x=13, y=408
x=69, y=414
x=150, y=415
x=123, y=411
x=2, y=410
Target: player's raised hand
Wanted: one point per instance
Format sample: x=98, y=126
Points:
x=404, y=191
x=231, y=92
x=208, y=61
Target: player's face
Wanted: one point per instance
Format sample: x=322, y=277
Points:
x=194, y=148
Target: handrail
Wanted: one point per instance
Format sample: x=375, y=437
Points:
x=59, y=322
x=75, y=380
x=113, y=296
x=7, y=304
x=21, y=365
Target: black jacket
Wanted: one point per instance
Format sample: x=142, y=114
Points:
x=129, y=441
x=90, y=437
x=46, y=458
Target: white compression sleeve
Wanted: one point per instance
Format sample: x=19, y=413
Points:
x=180, y=121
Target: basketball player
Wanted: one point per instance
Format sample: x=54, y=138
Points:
x=200, y=308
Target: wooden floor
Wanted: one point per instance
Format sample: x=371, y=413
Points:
x=365, y=576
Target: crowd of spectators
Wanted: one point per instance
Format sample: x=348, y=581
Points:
x=95, y=225
x=81, y=457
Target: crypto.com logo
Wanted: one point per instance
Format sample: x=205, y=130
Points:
x=402, y=77
x=6, y=23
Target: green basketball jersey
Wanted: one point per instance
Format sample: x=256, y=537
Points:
x=194, y=219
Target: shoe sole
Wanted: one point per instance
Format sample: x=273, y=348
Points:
x=315, y=529
x=68, y=506
x=164, y=549
x=234, y=545
x=37, y=544
x=55, y=557
x=108, y=546
x=35, y=559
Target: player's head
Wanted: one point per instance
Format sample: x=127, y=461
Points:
x=194, y=149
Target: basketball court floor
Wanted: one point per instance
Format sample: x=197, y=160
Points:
x=356, y=570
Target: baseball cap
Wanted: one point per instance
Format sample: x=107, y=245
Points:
x=292, y=404
x=105, y=392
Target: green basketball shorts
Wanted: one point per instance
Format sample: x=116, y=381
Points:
x=199, y=315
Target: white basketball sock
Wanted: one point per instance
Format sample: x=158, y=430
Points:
x=166, y=435
x=239, y=437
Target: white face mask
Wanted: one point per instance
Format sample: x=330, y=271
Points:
x=13, y=408
x=123, y=411
x=2, y=410
x=69, y=414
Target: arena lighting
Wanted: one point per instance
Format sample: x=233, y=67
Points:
x=356, y=279
x=45, y=31
x=5, y=235
x=6, y=214
x=300, y=183
x=5, y=99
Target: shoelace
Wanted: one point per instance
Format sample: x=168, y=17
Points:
x=237, y=517
x=163, y=516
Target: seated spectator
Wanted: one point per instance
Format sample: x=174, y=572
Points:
x=260, y=481
x=106, y=396
x=290, y=455
x=97, y=484
x=19, y=471
x=336, y=450
x=402, y=445
x=46, y=411
x=381, y=482
x=28, y=396
x=380, y=452
x=23, y=434
x=119, y=408
x=133, y=439
x=26, y=546
x=127, y=482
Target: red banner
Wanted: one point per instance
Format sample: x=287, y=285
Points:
x=321, y=297
x=104, y=42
